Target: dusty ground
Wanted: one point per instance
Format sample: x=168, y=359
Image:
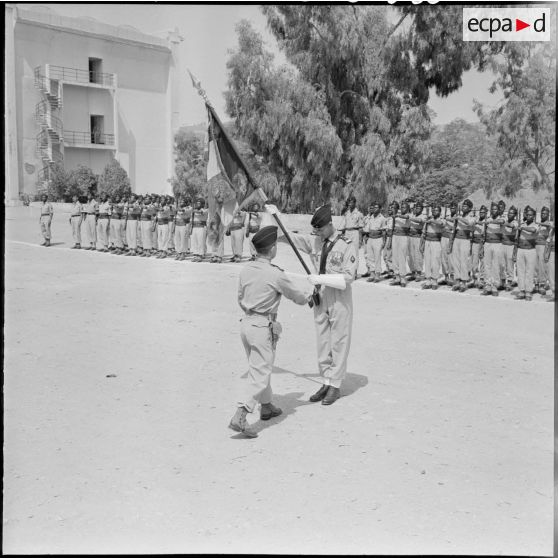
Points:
x=120, y=379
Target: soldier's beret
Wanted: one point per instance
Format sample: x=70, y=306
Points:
x=544, y=208
x=321, y=217
x=468, y=203
x=512, y=207
x=502, y=202
x=265, y=237
x=483, y=208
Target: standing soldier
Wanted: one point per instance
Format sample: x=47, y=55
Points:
x=198, y=231
x=45, y=219
x=172, y=218
x=502, y=215
x=260, y=287
x=525, y=254
x=90, y=210
x=416, y=225
x=235, y=229
x=155, y=206
x=331, y=253
x=387, y=240
x=181, y=223
x=103, y=222
x=400, y=243
x=76, y=218
x=477, y=260
x=492, y=250
x=542, y=236
x=351, y=225
x=116, y=210
x=254, y=219
x=448, y=269
x=432, y=247
x=162, y=224
x=374, y=227
x=133, y=212
x=146, y=223
x=509, y=232
x=460, y=246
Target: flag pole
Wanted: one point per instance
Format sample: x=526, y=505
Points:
x=197, y=85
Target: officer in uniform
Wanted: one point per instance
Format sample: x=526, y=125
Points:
x=416, y=225
x=45, y=219
x=331, y=253
x=90, y=210
x=162, y=220
x=509, y=231
x=133, y=213
x=116, y=210
x=198, y=231
x=182, y=222
x=477, y=260
x=374, y=226
x=235, y=229
x=501, y=215
x=432, y=248
x=492, y=250
x=352, y=224
x=254, y=221
x=400, y=243
x=526, y=256
x=146, y=223
x=260, y=287
x=76, y=218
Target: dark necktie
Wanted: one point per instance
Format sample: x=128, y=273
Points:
x=323, y=259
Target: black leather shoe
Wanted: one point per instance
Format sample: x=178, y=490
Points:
x=320, y=394
x=333, y=394
x=269, y=411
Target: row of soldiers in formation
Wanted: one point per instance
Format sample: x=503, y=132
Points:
x=153, y=225
x=462, y=248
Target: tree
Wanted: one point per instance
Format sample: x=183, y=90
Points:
x=525, y=123
x=114, y=180
x=190, y=167
x=81, y=181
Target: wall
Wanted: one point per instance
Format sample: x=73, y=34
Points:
x=95, y=159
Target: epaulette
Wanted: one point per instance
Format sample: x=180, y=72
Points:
x=345, y=239
x=279, y=268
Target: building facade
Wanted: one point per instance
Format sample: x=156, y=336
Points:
x=81, y=92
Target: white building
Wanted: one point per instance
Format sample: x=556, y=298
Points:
x=79, y=91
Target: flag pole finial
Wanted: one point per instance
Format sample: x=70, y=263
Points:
x=197, y=85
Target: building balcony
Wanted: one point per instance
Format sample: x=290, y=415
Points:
x=89, y=140
x=76, y=76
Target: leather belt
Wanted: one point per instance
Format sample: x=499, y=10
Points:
x=351, y=228
x=399, y=233
x=162, y=221
x=145, y=218
x=375, y=234
x=103, y=216
x=492, y=241
x=77, y=215
x=463, y=235
x=134, y=218
x=433, y=237
x=236, y=227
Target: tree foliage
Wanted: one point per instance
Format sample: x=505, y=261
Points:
x=114, y=180
x=190, y=166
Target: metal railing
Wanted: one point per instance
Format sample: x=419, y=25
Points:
x=87, y=138
x=47, y=152
x=46, y=119
x=77, y=75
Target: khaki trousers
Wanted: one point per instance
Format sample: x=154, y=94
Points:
x=400, y=248
x=163, y=237
x=237, y=242
x=333, y=319
x=146, y=235
x=132, y=234
x=415, y=257
x=180, y=244
x=388, y=257
x=198, y=240
x=507, y=262
x=116, y=232
x=492, y=259
x=448, y=267
x=102, y=232
x=76, y=229
x=432, y=259
x=542, y=266
x=526, y=265
x=45, y=226
x=477, y=263
x=91, y=228
x=373, y=255
x=256, y=336
x=461, y=260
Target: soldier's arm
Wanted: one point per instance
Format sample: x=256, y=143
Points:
x=289, y=288
x=350, y=263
